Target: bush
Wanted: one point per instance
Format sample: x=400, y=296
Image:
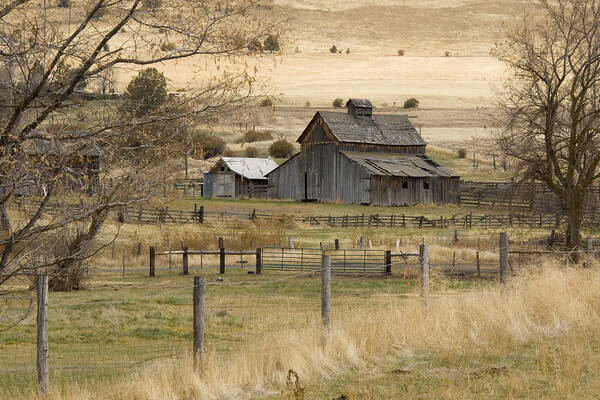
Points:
x=338, y=103
x=348, y=51
x=64, y=3
x=266, y=102
x=152, y=4
x=271, y=43
x=255, y=46
x=333, y=49
x=256, y=136
x=146, y=92
x=307, y=104
x=252, y=152
x=411, y=103
x=281, y=149
x=447, y=54
x=401, y=52
x=297, y=50
x=229, y=153
x=462, y=153
x=166, y=46
x=206, y=145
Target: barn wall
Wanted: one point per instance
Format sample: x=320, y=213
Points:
x=212, y=179
x=286, y=182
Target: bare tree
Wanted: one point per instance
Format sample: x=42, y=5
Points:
x=551, y=104
x=50, y=58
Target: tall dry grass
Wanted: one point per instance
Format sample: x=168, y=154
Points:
x=534, y=309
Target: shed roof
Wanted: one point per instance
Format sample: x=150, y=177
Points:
x=389, y=130
x=250, y=168
x=414, y=166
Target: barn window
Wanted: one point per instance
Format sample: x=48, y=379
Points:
x=425, y=185
x=222, y=168
x=405, y=185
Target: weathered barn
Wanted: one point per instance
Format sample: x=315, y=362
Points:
x=361, y=158
x=235, y=177
x=76, y=160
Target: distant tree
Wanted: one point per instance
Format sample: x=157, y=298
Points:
x=348, y=51
x=64, y=3
x=146, y=92
x=401, y=52
x=271, y=43
x=411, y=103
x=266, y=102
x=333, y=49
x=255, y=46
x=206, y=144
x=281, y=149
x=338, y=103
x=462, y=153
x=252, y=152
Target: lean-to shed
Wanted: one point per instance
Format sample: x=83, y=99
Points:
x=235, y=177
x=363, y=158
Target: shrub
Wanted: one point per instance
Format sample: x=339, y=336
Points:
x=146, y=92
x=167, y=46
x=152, y=4
x=271, y=43
x=255, y=46
x=447, y=54
x=411, y=103
x=64, y=3
x=401, y=52
x=333, y=49
x=338, y=103
x=206, y=145
x=229, y=153
x=307, y=104
x=297, y=50
x=256, y=136
x=462, y=153
x=252, y=152
x=267, y=102
x=348, y=51
x=281, y=149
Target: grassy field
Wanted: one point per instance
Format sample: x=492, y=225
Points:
x=123, y=331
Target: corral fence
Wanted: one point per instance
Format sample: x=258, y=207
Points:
x=200, y=215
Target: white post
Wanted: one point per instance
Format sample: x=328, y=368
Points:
x=42, y=332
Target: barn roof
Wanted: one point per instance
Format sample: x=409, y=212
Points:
x=389, y=130
x=414, y=166
x=250, y=168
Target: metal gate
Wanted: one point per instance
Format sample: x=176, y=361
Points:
x=342, y=261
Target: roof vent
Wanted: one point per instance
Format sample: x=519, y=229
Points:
x=360, y=107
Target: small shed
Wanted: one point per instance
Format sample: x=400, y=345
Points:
x=237, y=177
x=359, y=157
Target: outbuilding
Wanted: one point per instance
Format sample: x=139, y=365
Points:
x=238, y=177
x=361, y=158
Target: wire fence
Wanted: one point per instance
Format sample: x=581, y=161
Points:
x=125, y=324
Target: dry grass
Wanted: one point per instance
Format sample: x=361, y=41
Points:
x=555, y=313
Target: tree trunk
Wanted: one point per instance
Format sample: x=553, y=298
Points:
x=574, y=222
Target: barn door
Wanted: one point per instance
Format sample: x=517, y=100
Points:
x=224, y=185
x=311, y=186
x=365, y=191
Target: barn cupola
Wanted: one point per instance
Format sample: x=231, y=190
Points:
x=360, y=107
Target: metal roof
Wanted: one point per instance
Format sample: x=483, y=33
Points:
x=250, y=168
x=414, y=166
x=387, y=130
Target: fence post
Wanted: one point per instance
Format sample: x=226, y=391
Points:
x=221, y=242
x=258, y=261
x=201, y=215
x=185, y=260
x=362, y=242
x=123, y=266
x=337, y=244
x=291, y=243
x=42, y=332
x=424, y=259
x=388, y=263
x=152, y=260
x=199, y=297
x=590, y=251
x=326, y=291
x=478, y=264
x=139, y=249
x=503, y=257
x=456, y=235
x=221, y=260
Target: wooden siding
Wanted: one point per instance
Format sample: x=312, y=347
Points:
x=322, y=173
